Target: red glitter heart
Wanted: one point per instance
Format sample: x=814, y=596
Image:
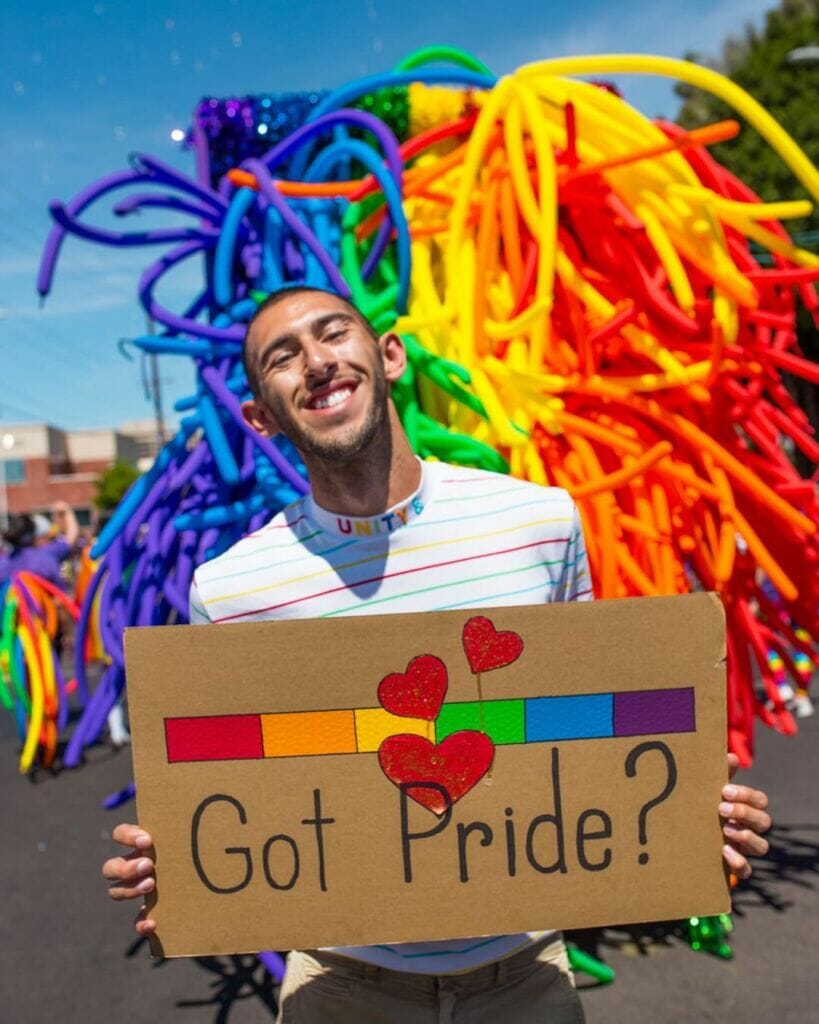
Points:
x=486, y=647
x=418, y=692
x=455, y=765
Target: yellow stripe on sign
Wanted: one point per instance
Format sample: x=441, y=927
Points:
x=374, y=725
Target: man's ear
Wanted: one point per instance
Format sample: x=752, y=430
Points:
x=258, y=417
x=394, y=355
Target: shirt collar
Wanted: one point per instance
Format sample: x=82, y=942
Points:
x=384, y=523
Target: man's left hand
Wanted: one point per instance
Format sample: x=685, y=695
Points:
x=744, y=819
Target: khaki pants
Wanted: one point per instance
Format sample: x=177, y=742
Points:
x=533, y=986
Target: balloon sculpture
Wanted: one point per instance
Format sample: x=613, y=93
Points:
x=588, y=300
x=32, y=683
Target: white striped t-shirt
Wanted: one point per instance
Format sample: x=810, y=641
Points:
x=465, y=539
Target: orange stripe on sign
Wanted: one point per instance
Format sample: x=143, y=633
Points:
x=309, y=732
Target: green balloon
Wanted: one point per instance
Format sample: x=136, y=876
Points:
x=442, y=54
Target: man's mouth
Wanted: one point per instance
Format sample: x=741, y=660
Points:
x=329, y=398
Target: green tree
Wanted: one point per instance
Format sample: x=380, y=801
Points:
x=112, y=484
x=785, y=82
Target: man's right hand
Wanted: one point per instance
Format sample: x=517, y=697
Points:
x=133, y=875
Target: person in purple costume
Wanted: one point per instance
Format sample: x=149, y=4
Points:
x=31, y=550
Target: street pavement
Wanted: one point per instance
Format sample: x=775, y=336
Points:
x=68, y=954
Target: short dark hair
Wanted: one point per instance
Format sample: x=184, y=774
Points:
x=279, y=295
x=20, y=532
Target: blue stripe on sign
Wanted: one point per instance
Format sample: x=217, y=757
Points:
x=590, y=716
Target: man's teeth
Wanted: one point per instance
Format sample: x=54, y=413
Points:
x=328, y=401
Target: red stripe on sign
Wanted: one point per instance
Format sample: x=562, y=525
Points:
x=214, y=738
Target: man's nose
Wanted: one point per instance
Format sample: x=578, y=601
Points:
x=318, y=358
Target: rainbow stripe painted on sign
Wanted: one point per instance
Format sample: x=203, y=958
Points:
x=361, y=731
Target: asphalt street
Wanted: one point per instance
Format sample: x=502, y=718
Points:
x=69, y=954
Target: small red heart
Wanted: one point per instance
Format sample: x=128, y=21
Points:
x=487, y=648
x=418, y=692
x=455, y=765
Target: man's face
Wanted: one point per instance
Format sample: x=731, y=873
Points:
x=321, y=377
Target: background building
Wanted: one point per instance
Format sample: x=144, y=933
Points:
x=41, y=464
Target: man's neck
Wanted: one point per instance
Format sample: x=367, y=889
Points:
x=383, y=475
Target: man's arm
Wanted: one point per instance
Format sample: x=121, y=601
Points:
x=197, y=615
x=575, y=581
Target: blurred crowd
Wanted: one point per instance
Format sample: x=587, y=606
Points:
x=47, y=546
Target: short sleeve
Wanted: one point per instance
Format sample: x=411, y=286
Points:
x=196, y=609
x=59, y=549
x=575, y=582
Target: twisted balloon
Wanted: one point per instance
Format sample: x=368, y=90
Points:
x=588, y=300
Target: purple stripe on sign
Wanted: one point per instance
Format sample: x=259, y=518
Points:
x=646, y=712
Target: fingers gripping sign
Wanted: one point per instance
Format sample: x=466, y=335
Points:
x=744, y=821
x=133, y=874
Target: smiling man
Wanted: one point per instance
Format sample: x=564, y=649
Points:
x=320, y=375
x=325, y=412
x=382, y=532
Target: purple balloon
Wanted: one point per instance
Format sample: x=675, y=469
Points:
x=180, y=324
x=273, y=964
x=296, y=225
x=232, y=404
x=158, y=236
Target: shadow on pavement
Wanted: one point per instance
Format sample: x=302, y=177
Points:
x=793, y=859
x=232, y=979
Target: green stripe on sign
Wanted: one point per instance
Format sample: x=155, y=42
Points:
x=503, y=720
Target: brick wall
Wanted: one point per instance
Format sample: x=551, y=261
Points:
x=47, y=482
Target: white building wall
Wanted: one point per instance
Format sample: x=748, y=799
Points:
x=30, y=441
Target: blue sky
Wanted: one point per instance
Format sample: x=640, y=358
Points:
x=85, y=83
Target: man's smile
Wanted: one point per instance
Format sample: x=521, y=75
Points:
x=331, y=396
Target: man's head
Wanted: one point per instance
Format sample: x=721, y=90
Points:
x=319, y=373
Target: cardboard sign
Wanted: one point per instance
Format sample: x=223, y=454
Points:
x=415, y=777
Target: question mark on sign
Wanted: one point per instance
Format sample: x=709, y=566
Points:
x=671, y=782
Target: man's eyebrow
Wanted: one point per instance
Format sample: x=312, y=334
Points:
x=319, y=325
